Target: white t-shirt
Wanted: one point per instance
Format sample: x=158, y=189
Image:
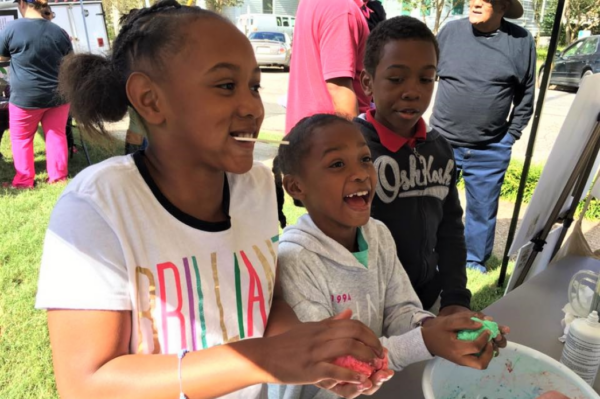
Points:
x=116, y=243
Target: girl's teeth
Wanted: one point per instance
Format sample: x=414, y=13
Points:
x=360, y=194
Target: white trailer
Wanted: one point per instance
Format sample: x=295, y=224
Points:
x=89, y=36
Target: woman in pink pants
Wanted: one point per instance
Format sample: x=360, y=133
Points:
x=36, y=48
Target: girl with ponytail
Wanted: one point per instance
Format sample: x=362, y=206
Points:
x=36, y=48
x=173, y=249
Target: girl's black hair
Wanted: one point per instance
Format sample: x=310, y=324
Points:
x=96, y=85
x=289, y=157
x=397, y=28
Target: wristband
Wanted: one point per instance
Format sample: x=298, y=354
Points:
x=180, y=356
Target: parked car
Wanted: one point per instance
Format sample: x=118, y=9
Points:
x=272, y=48
x=577, y=61
x=249, y=23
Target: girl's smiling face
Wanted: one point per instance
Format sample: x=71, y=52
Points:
x=337, y=179
x=208, y=95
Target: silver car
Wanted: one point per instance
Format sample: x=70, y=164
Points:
x=272, y=48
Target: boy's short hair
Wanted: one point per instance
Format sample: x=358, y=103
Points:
x=397, y=28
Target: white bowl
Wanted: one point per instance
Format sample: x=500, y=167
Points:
x=518, y=372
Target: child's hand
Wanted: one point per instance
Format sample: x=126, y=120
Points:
x=452, y=309
x=500, y=340
x=369, y=387
x=440, y=336
x=350, y=391
x=304, y=354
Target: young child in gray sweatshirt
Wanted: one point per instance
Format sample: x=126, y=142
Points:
x=336, y=257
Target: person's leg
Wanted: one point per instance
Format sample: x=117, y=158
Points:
x=3, y=123
x=54, y=123
x=70, y=138
x=459, y=154
x=23, y=125
x=483, y=173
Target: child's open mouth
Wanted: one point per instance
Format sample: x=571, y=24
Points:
x=358, y=201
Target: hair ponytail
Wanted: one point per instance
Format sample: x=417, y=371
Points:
x=279, y=192
x=96, y=85
x=95, y=90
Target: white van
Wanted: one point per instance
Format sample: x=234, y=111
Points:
x=249, y=23
x=68, y=16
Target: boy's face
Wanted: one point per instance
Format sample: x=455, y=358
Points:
x=403, y=83
x=337, y=179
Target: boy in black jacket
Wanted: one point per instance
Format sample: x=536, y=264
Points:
x=416, y=196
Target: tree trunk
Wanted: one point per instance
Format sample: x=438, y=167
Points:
x=567, y=21
x=439, y=8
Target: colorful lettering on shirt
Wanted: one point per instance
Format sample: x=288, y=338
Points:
x=226, y=339
x=180, y=288
x=190, y=292
x=341, y=298
x=166, y=314
x=238, y=296
x=146, y=313
x=200, y=303
x=268, y=272
x=252, y=297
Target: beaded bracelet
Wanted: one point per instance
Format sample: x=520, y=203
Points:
x=180, y=356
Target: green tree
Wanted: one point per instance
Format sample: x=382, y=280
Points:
x=441, y=10
x=582, y=15
x=218, y=5
x=578, y=15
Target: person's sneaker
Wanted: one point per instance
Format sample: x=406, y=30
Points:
x=476, y=266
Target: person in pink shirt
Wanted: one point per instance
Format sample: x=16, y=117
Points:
x=329, y=45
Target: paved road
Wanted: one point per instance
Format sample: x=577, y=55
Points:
x=556, y=106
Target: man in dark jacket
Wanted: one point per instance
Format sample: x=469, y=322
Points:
x=487, y=67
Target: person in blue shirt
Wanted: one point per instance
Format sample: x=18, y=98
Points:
x=36, y=48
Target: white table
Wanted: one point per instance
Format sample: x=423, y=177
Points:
x=533, y=312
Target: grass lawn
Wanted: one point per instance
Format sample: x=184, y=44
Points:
x=25, y=361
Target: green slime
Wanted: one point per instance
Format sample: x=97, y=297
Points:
x=472, y=335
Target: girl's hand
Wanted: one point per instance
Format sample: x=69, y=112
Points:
x=350, y=391
x=440, y=336
x=305, y=354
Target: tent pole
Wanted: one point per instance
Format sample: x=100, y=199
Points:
x=534, y=128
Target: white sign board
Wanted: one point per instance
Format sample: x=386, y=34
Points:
x=568, y=148
x=541, y=260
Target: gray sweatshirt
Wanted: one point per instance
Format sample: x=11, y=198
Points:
x=321, y=278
